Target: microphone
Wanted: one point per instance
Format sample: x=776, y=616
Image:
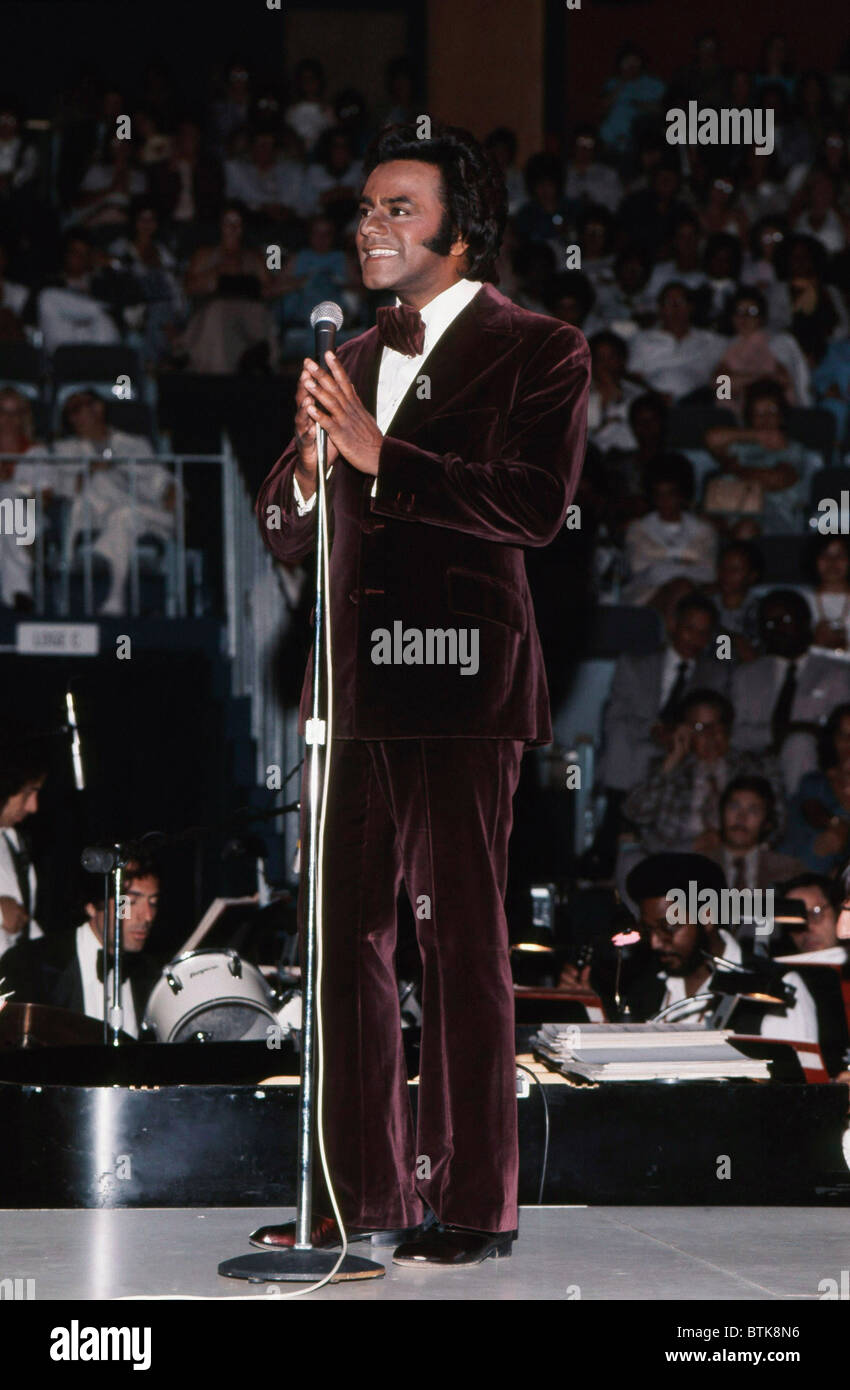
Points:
x=76, y=747
x=326, y=321
x=99, y=859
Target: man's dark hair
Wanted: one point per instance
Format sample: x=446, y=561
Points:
x=830, y=887
x=659, y=874
x=765, y=389
x=541, y=167
x=694, y=603
x=571, y=284
x=675, y=285
x=751, y=554
x=759, y=786
x=25, y=756
x=707, y=696
x=650, y=400
x=473, y=194
x=827, y=755
x=605, y=338
x=818, y=543
x=791, y=599
x=140, y=864
x=671, y=468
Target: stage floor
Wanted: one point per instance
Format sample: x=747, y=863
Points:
x=699, y=1253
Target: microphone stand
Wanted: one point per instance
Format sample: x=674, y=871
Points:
x=303, y=1263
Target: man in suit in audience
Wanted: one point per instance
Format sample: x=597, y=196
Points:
x=784, y=698
x=749, y=821
x=65, y=969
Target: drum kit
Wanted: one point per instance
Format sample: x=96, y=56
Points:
x=213, y=995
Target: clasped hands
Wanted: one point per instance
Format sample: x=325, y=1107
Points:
x=328, y=399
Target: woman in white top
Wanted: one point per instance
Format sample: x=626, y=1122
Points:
x=829, y=594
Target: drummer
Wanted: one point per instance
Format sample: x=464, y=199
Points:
x=65, y=968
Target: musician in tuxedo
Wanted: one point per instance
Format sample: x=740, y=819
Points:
x=456, y=433
x=65, y=969
x=24, y=762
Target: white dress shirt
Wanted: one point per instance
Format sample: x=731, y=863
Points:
x=799, y=1022
x=87, y=949
x=10, y=888
x=397, y=373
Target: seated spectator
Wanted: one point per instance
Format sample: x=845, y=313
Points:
x=535, y=266
x=722, y=261
x=685, y=265
x=823, y=897
x=108, y=188
x=626, y=471
x=188, y=186
x=120, y=499
x=265, y=183
x=318, y=272
x=682, y=950
x=588, y=180
x=815, y=310
x=230, y=112
x=146, y=257
x=831, y=387
x=611, y=394
x=670, y=542
x=646, y=691
x=19, y=168
x=570, y=296
x=822, y=218
x=309, y=115
x=333, y=179
x=739, y=569
x=626, y=97
x=501, y=145
x=596, y=231
x=764, y=472
x=761, y=269
x=784, y=698
x=228, y=284
x=819, y=812
x=762, y=193
x=749, y=822
x=651, y=215
x=399, y=106
x=13, y=301
x=750, y=354
x=19, y=481
x=678, y=805
x=828, y=566
x=68, y=312
x=805, y=130
x=705, y=79
x=65, y=969
x=675, y=358
x=718, y=214
x=545, y=214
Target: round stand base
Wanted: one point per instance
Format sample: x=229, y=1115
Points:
x=298, y=1267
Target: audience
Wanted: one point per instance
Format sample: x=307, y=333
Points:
x=670, y=542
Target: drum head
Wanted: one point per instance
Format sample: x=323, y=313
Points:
x=224, y=1020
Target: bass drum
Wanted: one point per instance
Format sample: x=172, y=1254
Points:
x=210, y=996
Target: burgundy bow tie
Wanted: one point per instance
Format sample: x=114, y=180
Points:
x=402, y=329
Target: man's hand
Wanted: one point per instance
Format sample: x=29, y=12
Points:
x=337, y=407
x=679, y=748
x=305, y=435
x=14, y=917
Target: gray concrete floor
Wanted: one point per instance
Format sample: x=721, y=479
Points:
x=699, y=1253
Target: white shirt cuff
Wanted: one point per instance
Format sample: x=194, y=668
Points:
x=303, y=507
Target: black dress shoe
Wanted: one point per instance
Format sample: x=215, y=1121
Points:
x=454, y=1247
x=325, y=1233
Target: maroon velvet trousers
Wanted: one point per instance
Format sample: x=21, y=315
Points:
x=436, y=813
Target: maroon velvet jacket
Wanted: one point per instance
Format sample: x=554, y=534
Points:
x=466, y=479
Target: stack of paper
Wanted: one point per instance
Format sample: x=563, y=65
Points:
x=645, y=1052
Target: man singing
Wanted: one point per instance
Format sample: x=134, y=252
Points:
x=456, y=434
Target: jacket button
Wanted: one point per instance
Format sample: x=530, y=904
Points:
x=354, y=596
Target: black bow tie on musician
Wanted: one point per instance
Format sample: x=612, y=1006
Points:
x=406, y=246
